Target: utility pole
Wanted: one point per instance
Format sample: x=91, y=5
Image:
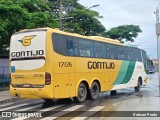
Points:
x=158, y=43
x=60, y=14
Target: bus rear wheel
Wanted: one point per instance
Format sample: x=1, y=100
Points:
x=82, y=93
x=137, y=88
x=94, y=91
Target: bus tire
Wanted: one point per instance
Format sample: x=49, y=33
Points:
x=94, y=91
x=137, y=88
x=82, y=93
x=113, y=92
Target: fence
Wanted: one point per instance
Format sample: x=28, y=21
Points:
x=4, y=76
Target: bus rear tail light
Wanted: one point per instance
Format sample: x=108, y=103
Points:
x=47, y=78
x=10, y=79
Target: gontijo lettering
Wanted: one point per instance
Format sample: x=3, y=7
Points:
x=101, y=65
x=27, y=53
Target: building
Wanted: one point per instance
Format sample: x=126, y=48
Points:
x=155, y=62
x=4, y=65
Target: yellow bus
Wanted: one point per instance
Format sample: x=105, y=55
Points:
x=51, y=64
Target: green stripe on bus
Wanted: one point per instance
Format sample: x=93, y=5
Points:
x=129, y=72
x=122, y=72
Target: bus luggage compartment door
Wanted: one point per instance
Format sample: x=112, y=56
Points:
x=61, y=85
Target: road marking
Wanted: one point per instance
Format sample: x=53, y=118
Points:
x=50, y=108
x=6, y=104
x=66, y=111
x=88, y=113
x=18, y=102
x=41, y=111
x=29, y=108
x=97, y=108
x=74, y=108
x=12, y=107
x=20, y=118
x=79, y=118
x=49, y=118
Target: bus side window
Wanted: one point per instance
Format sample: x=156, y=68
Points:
x=100, y=50
x=111, y=51
x=145, y=60
x=121, y=52
x=72, y=46
x=59, y=44
x=138, y=55
x=130, y=53
x=86, y=48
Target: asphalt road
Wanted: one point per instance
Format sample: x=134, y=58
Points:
x=125, y=105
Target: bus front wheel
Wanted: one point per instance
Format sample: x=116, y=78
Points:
x=94, y=91
x=82, y=93
x=137, y=88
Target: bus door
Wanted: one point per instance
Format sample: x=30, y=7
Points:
x=64, y=85
x=61, y=78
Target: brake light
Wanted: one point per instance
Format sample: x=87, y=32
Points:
x=10, y=79
x=47, y=78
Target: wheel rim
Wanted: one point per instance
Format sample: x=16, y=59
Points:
x=82, y=92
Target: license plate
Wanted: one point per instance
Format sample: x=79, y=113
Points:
x=26, y=85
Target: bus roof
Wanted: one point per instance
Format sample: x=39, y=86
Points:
x=96, y=38
x=56, y=30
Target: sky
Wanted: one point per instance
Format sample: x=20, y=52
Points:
x=126, y=12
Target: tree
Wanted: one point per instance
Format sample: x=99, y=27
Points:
x=16, y=15
x=84, y=22
x=22, y=14
x=26, y=14
x=123, y=33
x=77, y=18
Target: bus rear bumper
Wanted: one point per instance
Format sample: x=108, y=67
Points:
x=32, y=93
